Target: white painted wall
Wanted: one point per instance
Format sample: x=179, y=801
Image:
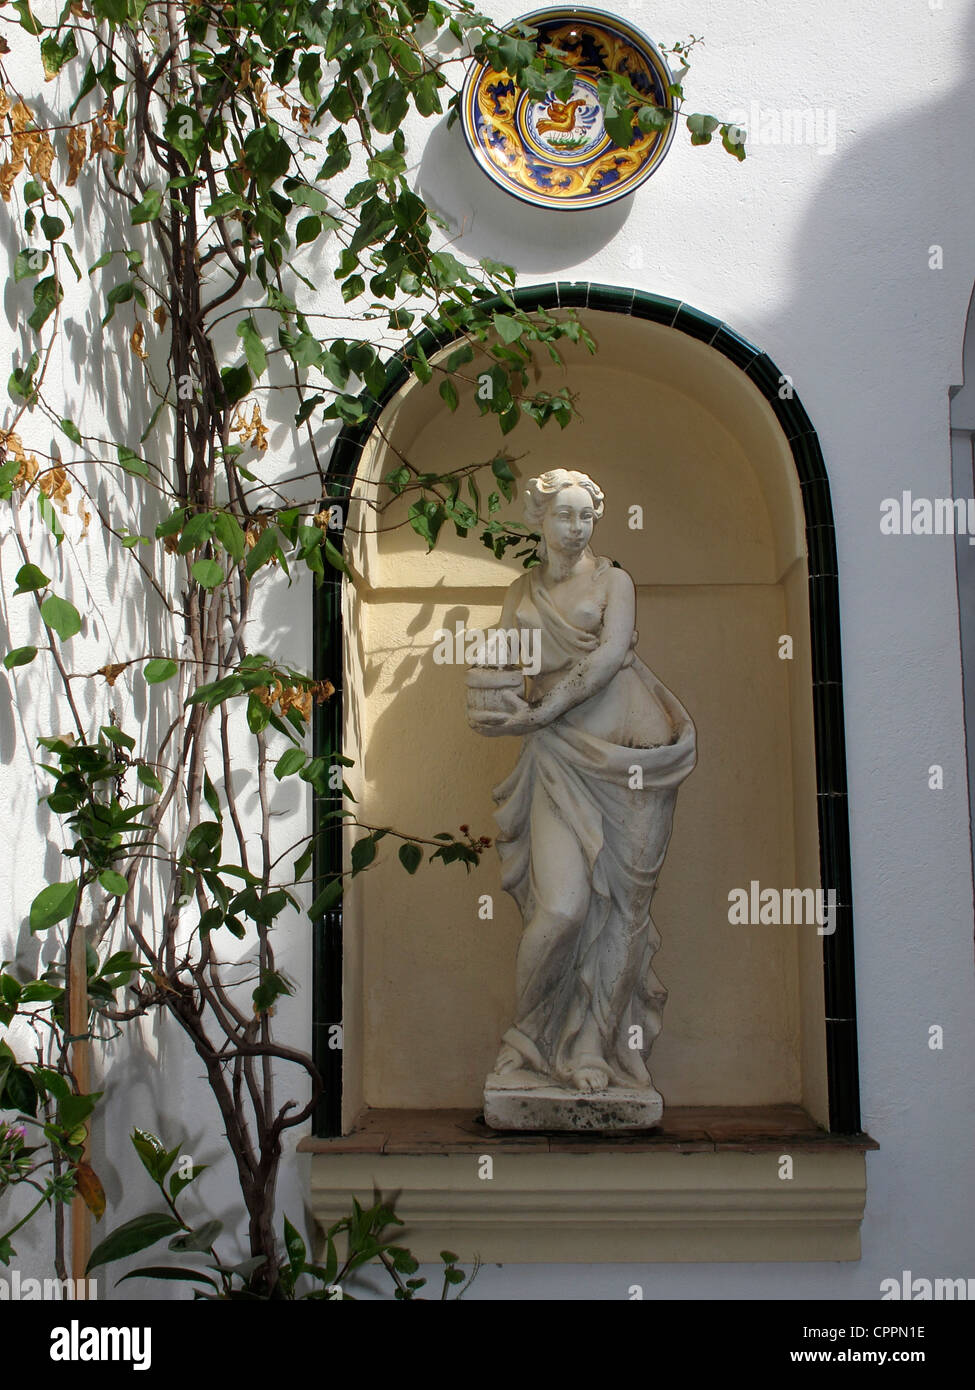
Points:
x=823, y=260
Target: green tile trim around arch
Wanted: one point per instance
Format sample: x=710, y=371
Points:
x=827, y=690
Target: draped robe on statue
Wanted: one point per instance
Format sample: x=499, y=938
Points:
x=622, y=831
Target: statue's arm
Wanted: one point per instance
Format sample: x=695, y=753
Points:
x=510, y=607
x=595, y=670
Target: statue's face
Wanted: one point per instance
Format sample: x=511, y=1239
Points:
x=569, y=520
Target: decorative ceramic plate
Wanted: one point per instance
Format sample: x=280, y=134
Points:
x=557, y=154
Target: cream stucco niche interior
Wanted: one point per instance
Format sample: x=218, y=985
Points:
x=669, y=425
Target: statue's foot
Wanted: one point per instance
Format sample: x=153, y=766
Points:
x=509, y=1059
x=589, y=1078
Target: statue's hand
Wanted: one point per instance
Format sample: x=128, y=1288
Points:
x=517, y=719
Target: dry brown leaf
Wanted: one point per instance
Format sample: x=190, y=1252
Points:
x=4, y=104
x=136, y=342
x=77, y=152
x=54, y=484
x=8, y=174
x=90, y=1188
x=111, y=672
x=20, y=116
x=10, y=443
x=42, y=158
x=159, y=316
x=29, y=467
x=85, y=515
x=258, y=429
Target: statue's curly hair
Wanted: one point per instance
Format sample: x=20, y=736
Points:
x=542, y=489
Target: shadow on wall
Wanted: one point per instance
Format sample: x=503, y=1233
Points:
x=484, y=217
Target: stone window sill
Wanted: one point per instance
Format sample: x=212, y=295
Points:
x=705, y=1186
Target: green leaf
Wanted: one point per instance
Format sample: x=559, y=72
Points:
x=449, y=393
x=411, y=857
x=71, y=430
x=508, y=329
x=733, y=140
x=203, y=844
x=113, y=882
x=49, y=516
x=168, y=1272
x=148, y=778
x=29, y=578
x=266, y=546
x=426, y=518
x=501, y=469
x=52, y=227
x=702, y=126
x=19, y=1092
x=149, y=208
x=387, y=104
x=62, y=616
x=289, y=763
x=159, y=669
x=184, y=131
x=336, y=559
x=20, y=656
x=133, y=1236
x=207, y=573
x=178, y=1181
x=116, y=736
x=363, y=853
x=253, y=347
x=295, y=1247
x=210, y=796
x=54, y=55
x=307, y=230
x=47, y=295
x=52, y=905
x=200, y=1239
x=51, y=1082
x=30, y=261
x=327, y=898
x=132, y=463
x=271, y=988
x=236, y=383
x=74, y=1110
x=352, y=288
x=229, y=533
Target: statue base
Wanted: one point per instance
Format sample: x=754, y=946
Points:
x=523, y=1100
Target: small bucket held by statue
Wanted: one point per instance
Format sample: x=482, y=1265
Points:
x=487, y=686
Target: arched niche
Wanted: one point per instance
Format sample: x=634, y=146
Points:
x=684, y=419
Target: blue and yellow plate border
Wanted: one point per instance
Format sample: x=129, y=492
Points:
x=489, y=119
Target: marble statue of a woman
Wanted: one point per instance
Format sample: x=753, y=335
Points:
x=585, y=819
